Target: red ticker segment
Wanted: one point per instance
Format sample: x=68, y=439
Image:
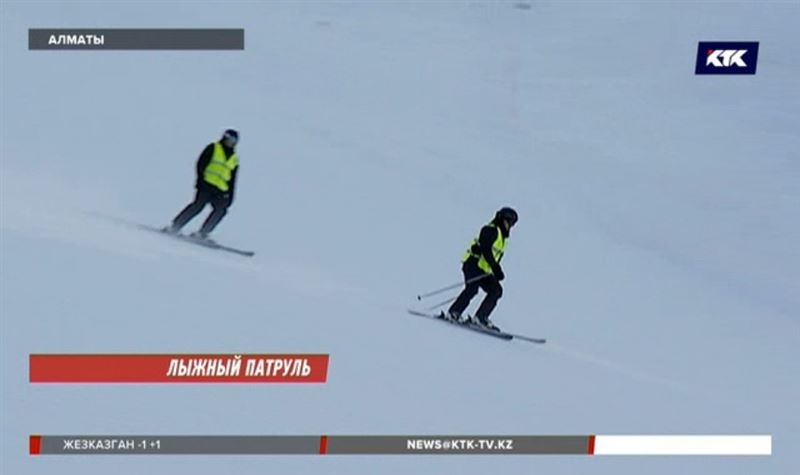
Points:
x=176, y=368
x=323, y=445
x=35, y=444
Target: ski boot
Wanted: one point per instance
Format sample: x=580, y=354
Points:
x=448, y=316
x=201, y=236
x=457, y=318
x=488, y=324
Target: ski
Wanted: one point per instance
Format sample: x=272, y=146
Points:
x=200, y=242
x=480, y=329
x=465, y=326
x=540, y=341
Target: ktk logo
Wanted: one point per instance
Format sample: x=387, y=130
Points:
x=726, y=57
x=716, y=57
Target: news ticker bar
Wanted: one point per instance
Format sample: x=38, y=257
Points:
x=178, y=368
x=136, y=39
x=407, y=444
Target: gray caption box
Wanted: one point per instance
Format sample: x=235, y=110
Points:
x=139, y=39
x=456, y=444
x=182, y=444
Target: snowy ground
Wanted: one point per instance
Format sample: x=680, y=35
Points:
x=657, y=246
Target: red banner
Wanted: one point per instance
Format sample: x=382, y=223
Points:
x=187, y=368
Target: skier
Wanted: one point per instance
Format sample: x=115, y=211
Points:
x=216, y=183
x=481, y=267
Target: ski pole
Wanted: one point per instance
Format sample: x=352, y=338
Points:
x=459, y=284
x=441, y=304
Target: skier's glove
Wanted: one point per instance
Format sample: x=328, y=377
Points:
x=499, y=274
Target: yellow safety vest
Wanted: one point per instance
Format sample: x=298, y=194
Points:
x=219, y=169
x=498, y=248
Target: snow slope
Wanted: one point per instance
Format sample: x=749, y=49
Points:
x=657, y=247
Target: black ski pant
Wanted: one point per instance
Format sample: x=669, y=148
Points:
x=219, y=202
x=489, y=284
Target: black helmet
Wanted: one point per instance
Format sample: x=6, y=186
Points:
x=231, y=135
x=507, y=214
